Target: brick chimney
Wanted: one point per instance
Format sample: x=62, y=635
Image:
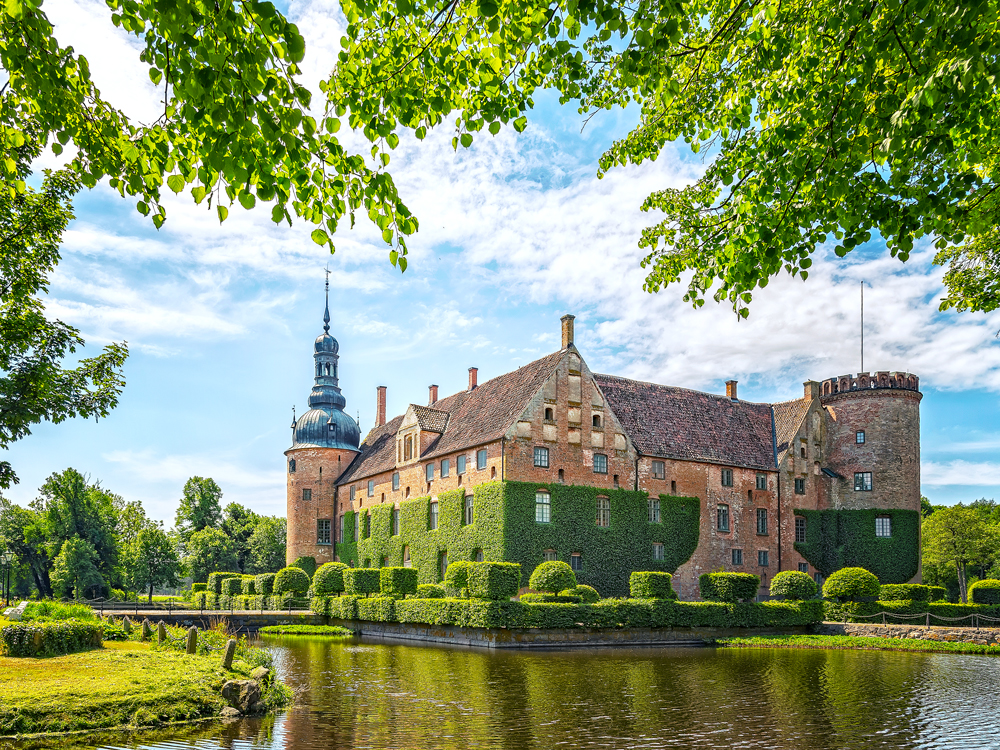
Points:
x=567, y=330
x=731, y=390
x=473, y=377
x=380, y=406
x=433, y=396
x=811, y=388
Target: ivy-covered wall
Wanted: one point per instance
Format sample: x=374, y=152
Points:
x=504, y=528
x=837, y=539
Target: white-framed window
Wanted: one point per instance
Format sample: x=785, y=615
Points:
x=803, y=567
x=762, y=521
x=576, y=561
x=657, y=550
x=469, y=510
x=800, y=529
x=433, y=521
x=371, y=488
x=654, y=510
x=762, y=558
x=481, y=459
x=859, y=437
x=727, y=477
x=445, y=467
x=722, y=517
x=307, y=494
x=883, y=526
x=549, y=555
x=395, y=521
x=429, y=472
x=600, y=463
x=543, y=506
x=762, y=481
x=541, y=457
x=603, y=512
x=659, y=470
x=460, y=465
x=323, y=531
x=862, y=481
x=737, y=556
x=395, y=480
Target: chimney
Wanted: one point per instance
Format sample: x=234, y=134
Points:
x=731, y=390
x=567, y=330
x=380, y=406
x=811, y=388
x=473, y=377
x=433, y=397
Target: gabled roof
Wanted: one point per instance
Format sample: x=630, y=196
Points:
x=474, y=418
x=788, y=418
x=432, y=420
x=687, y=425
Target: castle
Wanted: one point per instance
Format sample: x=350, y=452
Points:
x=553, y=461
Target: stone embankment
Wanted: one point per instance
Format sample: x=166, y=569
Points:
x=981, y=636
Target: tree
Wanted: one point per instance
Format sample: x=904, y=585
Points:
x=925, y=507
x=958, y=536
x=209, y=551
x=74, y=571
x=200, y=507
x=151, y=560
x=267, y=545
x=22, y=531
x=239, y=523
x=34, y=386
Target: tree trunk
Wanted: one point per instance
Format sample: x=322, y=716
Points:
x=962, y=591
x=150, y=592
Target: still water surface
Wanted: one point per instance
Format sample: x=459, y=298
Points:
x=356, y=694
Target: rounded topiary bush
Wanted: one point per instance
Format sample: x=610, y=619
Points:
x=552, y=576
x=902, y=592
x=291, y=580
x=986, y=591
x=329, y=578
x=852, y=583
x=794, y=585
x=587, y=594
x=430, y=591
x=308, y=564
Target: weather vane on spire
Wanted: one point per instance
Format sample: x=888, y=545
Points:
x=326, y=313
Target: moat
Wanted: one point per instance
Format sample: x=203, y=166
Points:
x=355, y=694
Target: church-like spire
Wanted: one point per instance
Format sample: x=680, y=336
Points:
x=326, y=312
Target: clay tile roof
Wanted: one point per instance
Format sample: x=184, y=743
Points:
x=689, y=425
x=432, y=420
x=474, y=418
x=788, y=418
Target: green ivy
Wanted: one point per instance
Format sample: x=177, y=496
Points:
x=838, y=539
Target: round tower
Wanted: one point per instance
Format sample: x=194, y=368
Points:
x=324, y=442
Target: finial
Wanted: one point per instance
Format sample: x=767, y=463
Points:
x=326, y=313
x=293, y=417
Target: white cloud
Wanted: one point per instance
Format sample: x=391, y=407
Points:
x=966, y=473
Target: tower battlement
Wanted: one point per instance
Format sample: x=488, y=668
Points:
x=865, y=381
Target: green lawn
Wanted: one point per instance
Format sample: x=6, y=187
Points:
x=856, y=642
x=305, y=630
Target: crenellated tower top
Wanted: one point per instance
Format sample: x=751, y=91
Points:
x=866, y=381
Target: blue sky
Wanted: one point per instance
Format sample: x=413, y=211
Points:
x=515, y=232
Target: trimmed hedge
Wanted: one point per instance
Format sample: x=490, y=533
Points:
x=397, y=582
x=649, y=584
x=938, y=593
x=358, y=581
x=430, y=591
x=552, y=576
x=329, y=578
x=291, y=579
x=308, y=564
x=588, y=594
x=986, y=591
x=793, y=585
x=494, y=581
x=196, y=587
x=457, y=576
x=901, y=592
x=249, y=585
x=563, y=598
x=50, y=638
x=215, y=580
x=265, y=584
x=851, y=584
x=232, y=587
x=728, y=587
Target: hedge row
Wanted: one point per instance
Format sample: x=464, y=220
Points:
x=607, y=613
x=868, y=611
x=203, y=600
x=50, y=638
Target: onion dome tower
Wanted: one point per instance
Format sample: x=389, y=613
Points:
x=324, y=442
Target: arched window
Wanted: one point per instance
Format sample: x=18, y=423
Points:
x=549, y=415
x=328, y=368
x=406, y=557
x=291, y=466
x=408, y=448
x=597, y=420
x=319, y=369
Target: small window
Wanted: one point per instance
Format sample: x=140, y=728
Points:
x=368, y=527
x=804, y=567
x=549, y=555
x=596, y=421
x=722, y=518
x=800, y=529
x=562, y=476
x=406, y=493
x=802, y=451
x=469, y=517
x=445, y=467
x=603, y=512
x=727, y=477
x=406, y=558
x=659, y=470
x=353, y=493
x=657, y=550
x=549, y=415
x=862, y=481
x=429, y=471
x=761, y=520
x=371, y=488
x=395, y=481
x=859, y=437
x=800, y=486
x=543, y=505
x=442, y=565
x=762, y=558
x=654, y=510
x=542, y=458
x=433, y=521
x=342, y=539
x=291, y=466
x=616, y=481
x=323, y=531
x=460, y=465
x=576, y=561
x=762, y=481
x=750, y=496
x=883, y=526
x=737, y=557
x=395, y=521
x=481, y=459
x=600, y=463
x=480, y=557
x=673, y=487
x=307, y=495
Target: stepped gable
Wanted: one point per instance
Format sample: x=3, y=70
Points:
x=788, y=417
x=686, y=425
x=471, y=418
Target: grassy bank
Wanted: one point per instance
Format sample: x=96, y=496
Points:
x=305, y=630
x=857, y=642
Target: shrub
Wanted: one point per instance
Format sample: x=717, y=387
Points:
x=938, y=593
x=249, y=585
x=494, y=580
x=430, y=590
x=196, y=587
x=265, y=584
x=563, y=598
x=215, y=581
x=119, y=595
x=457, y=575
x=329, y=578
x=794, y=585
x=901, y=592
x=50, y=638
x=728, y=587
x=287, y=600
x=232, y=587
x=552, y=576
x=651, y=585
x=378, y=608
x=47, y=610
x=397, y=582
x=308, y=564
x=291, y=580
x=851, y=584
x=358, y=581
x=986, y=591
x=588, y=594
